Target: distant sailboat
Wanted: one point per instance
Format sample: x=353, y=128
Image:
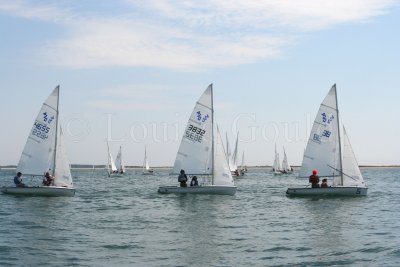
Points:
x=44, y=151
x=111, y=167
x=201, y=152
x=146, y=168
x=119, y=163
x=324, y=153
x=243, y=167
x=276, y=168
x=286, y=168
x=232, y=159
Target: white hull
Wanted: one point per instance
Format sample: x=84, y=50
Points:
x=148, y=173
x=206, y=189
x=329, y=191
x=48, y=191
x=277, y=173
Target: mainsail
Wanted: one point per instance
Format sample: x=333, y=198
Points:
x=285, y=163
x=145, y=162
x=323, y=147
x=195, y=151
x=38, y=155
x=277, y=164
x=110, y=164
x=118, y=161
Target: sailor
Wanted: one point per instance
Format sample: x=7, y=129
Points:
x=18, y=180
x=182, y=179
x=314, y=179
x=48, y=179
x=194, y=181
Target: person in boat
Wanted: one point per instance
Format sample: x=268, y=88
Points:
x=48, y=179
x=194, y=181
x=182, y=179
x=324, y=183
x=314, y=179
x=18, y=180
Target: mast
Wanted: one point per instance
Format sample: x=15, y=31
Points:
x=55, y=142
x=212, y=134
x=340, y=145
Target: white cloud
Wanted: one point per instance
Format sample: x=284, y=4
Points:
x=188, y=35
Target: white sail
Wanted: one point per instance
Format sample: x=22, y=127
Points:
x=63, y=175
x=285, y=164
x=323, y=148
x=195, y=151
x=277, y=164
x=110, y=163
x=146, y=166
x=222, y=174
x=351, y=172
x=38, y=154
x=118, y=162
x=235, y=154
x=228, y=154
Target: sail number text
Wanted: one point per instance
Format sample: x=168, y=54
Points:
x=194, y=133
x=40, y=130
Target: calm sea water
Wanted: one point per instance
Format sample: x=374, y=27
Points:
x=123, y=221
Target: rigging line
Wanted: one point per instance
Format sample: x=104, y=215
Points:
x=341, y=172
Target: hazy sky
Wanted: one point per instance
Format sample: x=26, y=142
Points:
x=131, y=71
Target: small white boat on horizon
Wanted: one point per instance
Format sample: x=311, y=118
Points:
x=276, y=167
x=146, y=168
x=112, y=169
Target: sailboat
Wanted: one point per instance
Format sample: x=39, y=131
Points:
x=324, y=153
x=119, y=163
x=44, y=151
x=243, y=168
x=111, y=167
x=201, y=152
x=146, y=168
x=276, y=168
x=232, y=159
x=286, y=168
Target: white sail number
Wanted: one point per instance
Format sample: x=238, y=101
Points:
x=194, y=133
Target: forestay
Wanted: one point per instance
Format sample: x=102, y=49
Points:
x=322, y=152
x=195, y=151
